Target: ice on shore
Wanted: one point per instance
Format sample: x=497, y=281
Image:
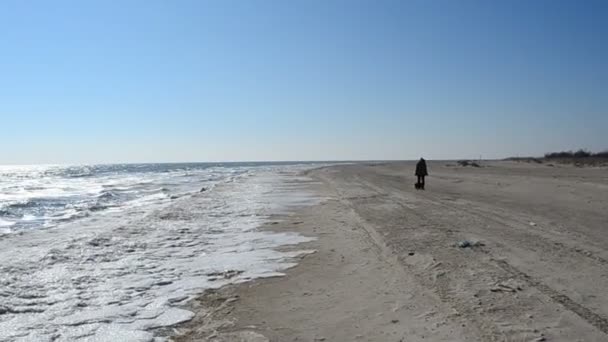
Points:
x=118, y=276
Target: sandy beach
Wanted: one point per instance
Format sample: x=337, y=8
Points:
x=504, y=252
x=254, y=171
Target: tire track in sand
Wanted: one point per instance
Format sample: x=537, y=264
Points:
x=442, y=285
x=565, y=301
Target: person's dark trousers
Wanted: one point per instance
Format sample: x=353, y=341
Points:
x=421, y=181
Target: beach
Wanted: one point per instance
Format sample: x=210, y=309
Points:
x=254, y=171
x=509, y=251
x=110, y=252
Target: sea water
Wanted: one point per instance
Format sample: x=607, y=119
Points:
x=111, y=252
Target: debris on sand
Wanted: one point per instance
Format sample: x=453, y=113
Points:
x=469, y=243
x=468, y=163
x=533, y=224
x=502, y=288
x=509, y=285
x=464, y=243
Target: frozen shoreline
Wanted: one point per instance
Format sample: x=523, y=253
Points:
x=120, y=276
x=389, y=266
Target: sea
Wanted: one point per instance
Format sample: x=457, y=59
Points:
x=113, y=252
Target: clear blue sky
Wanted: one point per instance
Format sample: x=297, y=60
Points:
x=136, y=81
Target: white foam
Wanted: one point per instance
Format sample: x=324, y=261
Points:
x=4, y=223
x=119, y=276
x=29, y=217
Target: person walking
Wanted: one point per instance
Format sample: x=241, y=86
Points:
x=421, y=172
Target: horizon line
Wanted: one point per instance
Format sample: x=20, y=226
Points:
x=258, y=161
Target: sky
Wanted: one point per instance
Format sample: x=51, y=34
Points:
x=243, y=80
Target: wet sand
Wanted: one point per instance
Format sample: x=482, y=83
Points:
x=389, y=267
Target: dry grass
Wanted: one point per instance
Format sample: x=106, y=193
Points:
x=578, y=158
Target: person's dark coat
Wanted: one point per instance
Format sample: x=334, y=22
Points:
x=421, y=168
